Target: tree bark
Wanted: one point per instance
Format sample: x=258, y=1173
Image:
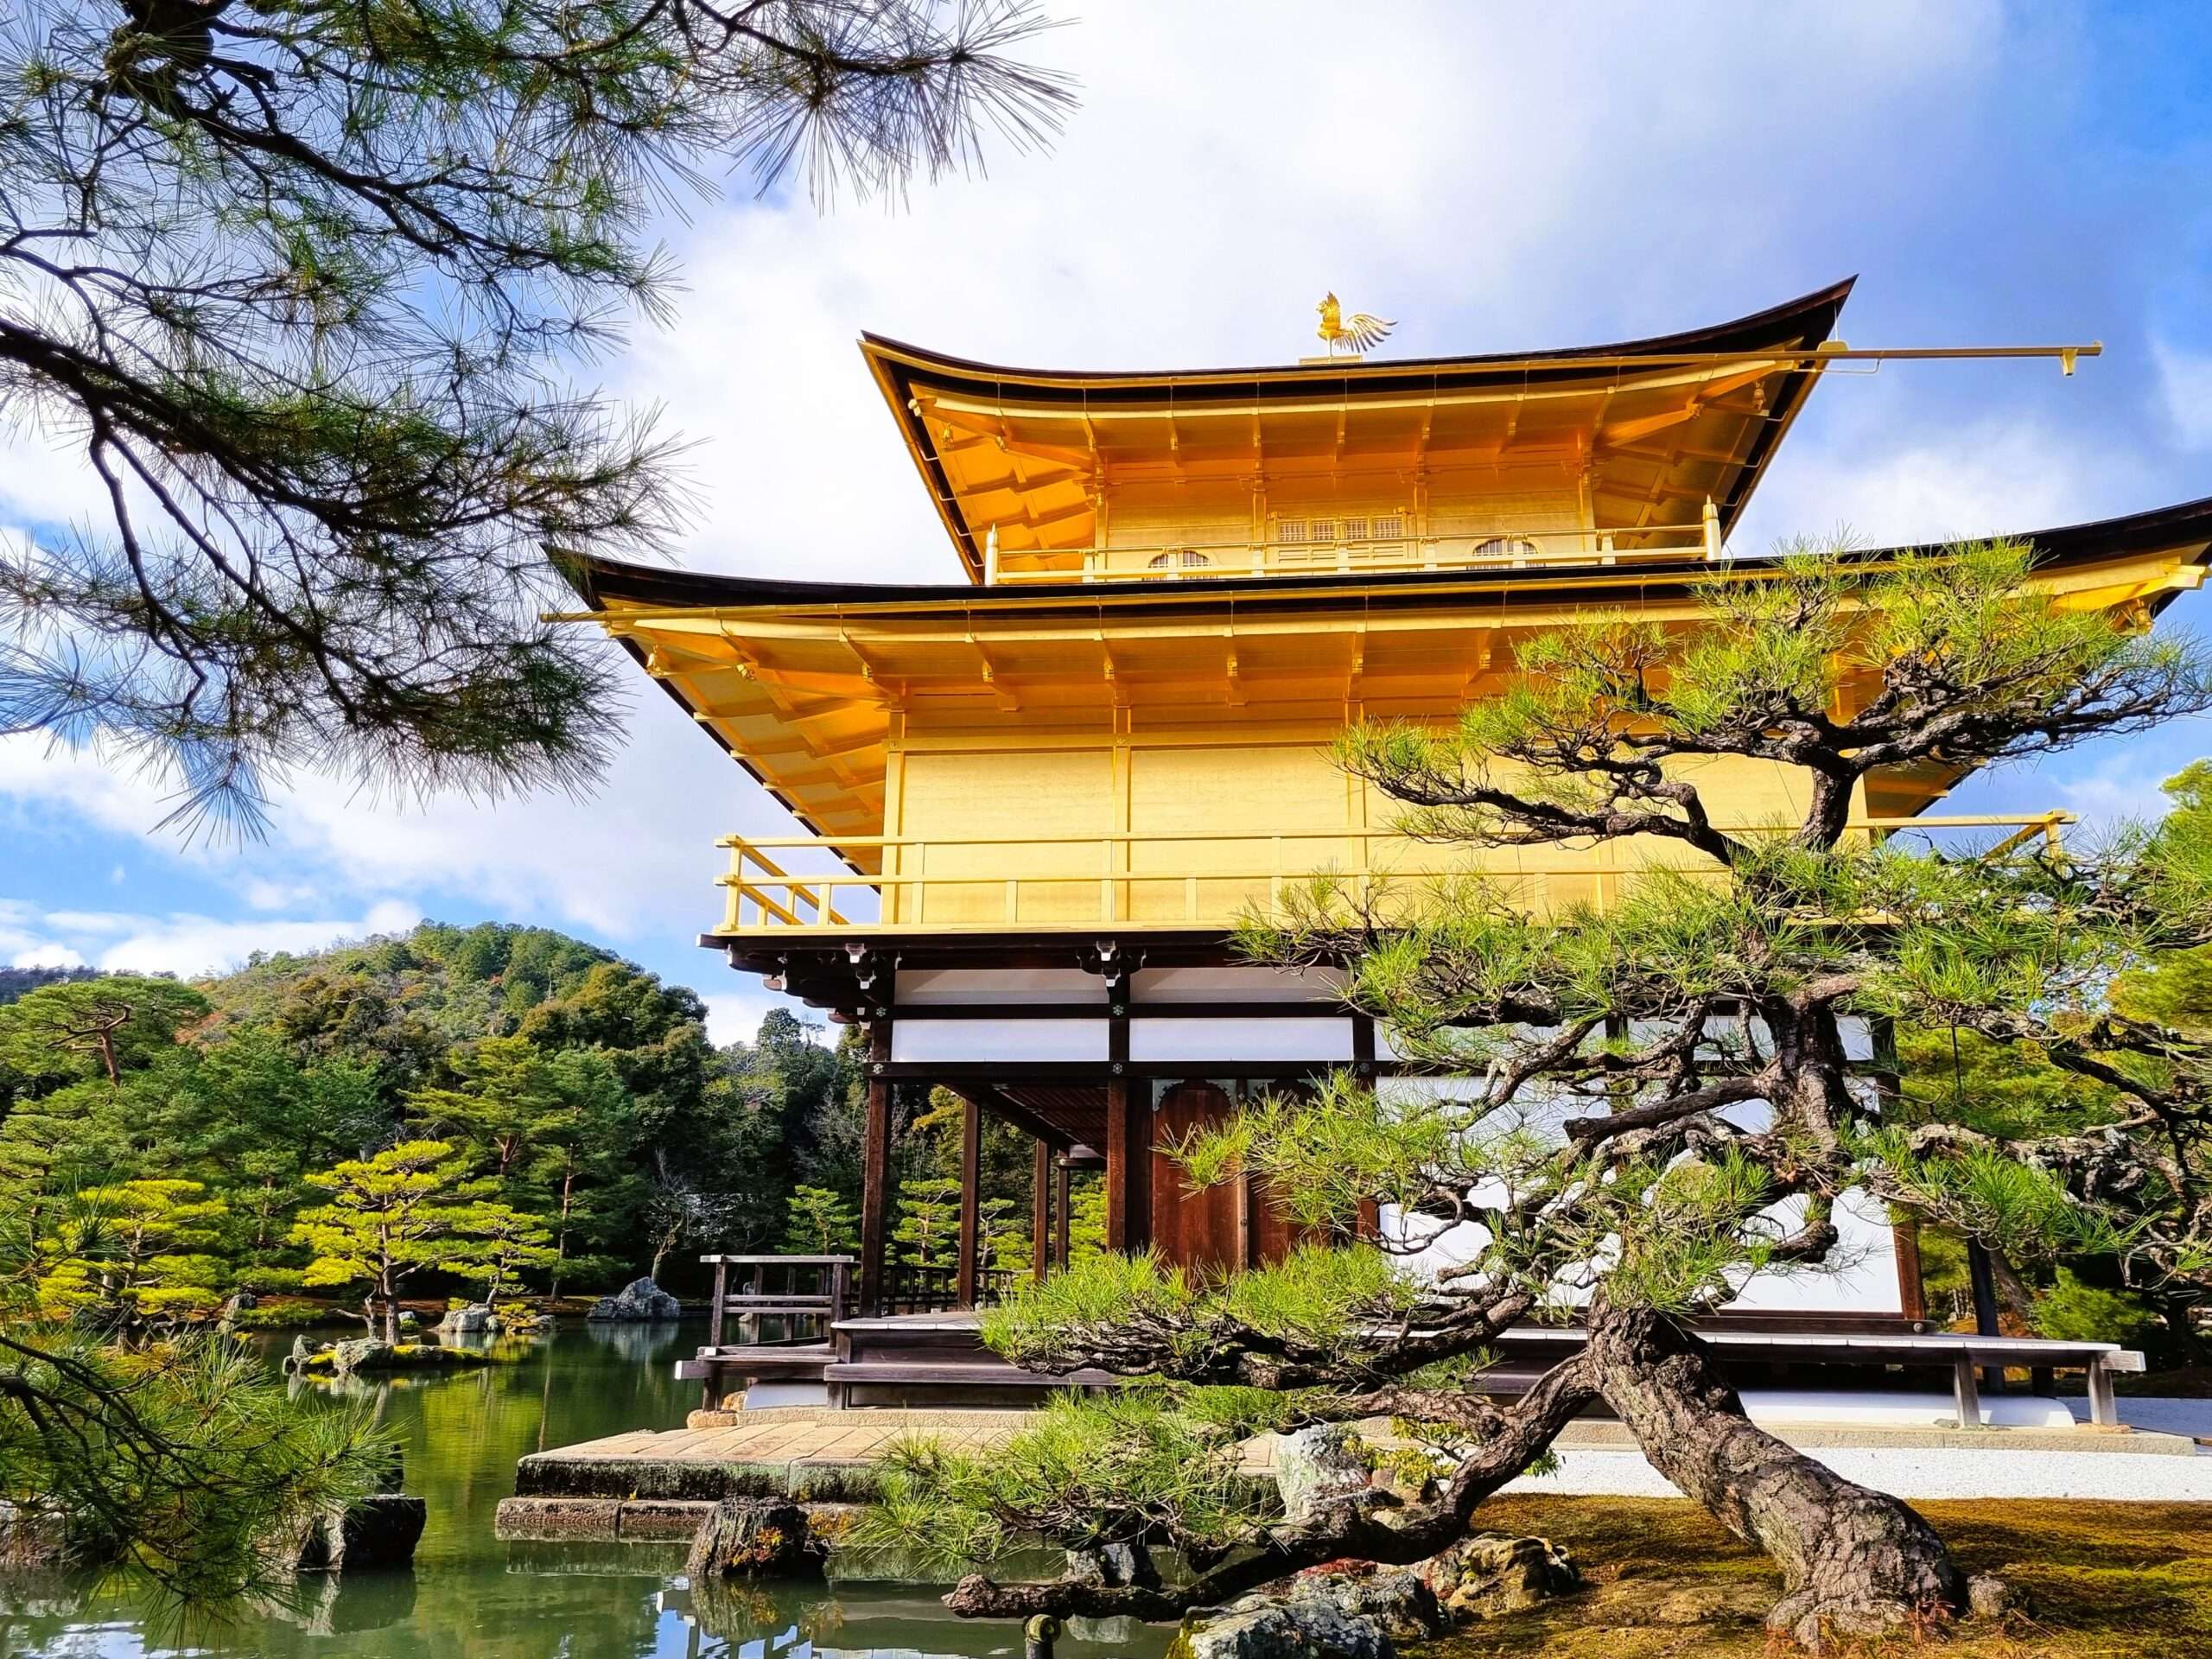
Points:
x=1855, y=1562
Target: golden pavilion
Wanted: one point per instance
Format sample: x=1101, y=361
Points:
x=1031, y=800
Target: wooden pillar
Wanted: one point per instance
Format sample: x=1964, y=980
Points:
x=1128, y=1166
x=971, y=1197
x=1129, y=1137
x=1912, y=1283
x=1983, y=1278
x=875, y=1173
x=1040, y=1210
x=1063, y=1213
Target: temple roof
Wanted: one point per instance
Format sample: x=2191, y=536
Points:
x=801, y=680
x=1662, y=423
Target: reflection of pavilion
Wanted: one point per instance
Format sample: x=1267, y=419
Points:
x=1035, y=801
x=873, y=1624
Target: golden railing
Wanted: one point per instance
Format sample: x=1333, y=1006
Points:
x=1508, y=550
x=1133, y=881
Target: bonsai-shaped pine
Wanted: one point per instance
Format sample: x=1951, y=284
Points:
x=136, y=1257
x=389, y=1217
x=1001, y=1245
x=1654, y=1102
x=820, y=1223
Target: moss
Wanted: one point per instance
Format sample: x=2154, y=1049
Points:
x=2109, y=1581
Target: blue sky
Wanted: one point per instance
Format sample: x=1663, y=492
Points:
x=1495, y=177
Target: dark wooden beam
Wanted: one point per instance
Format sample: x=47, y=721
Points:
x=1007, y=1110
x=875, y=1173
x=971, y=1197
x=1063, y=1217
x=1040, y=1211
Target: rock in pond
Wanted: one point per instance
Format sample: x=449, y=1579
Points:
x=32, y=1536
x=752, y=1537
x=366, y=1356
x=476, y=1319
x=639, y=1300
x=1491, y=1573
x=1265, y=1625
x=1395, y=1598
x=377, y=1532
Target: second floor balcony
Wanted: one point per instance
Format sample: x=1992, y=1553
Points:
x=794, y=885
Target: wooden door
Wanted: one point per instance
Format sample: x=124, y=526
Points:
x=1204, y=1231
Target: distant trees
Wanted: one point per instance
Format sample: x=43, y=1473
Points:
x=95, y=1027
x=821, y=1222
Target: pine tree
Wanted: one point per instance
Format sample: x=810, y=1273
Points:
x=929, y=1220
x=1658, y=1104
x=389, y=1217
x=136, y=1256
x=821, y=1223
x=329, y=272
x=501, y=1244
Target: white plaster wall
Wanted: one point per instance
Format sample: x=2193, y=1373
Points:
x=1289, y=1037
x=1244, y=984
x=999, y=987
x=1011, y=1041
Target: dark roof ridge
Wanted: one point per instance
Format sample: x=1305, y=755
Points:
x=597, y=580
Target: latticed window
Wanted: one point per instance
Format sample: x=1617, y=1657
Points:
x=1291, y=529
x=1388, y=528
x=1506, y=547
x=1182, y=558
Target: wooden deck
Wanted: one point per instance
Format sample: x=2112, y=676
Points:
x=920, y=1360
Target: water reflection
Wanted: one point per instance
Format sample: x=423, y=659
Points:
x=471, y=1597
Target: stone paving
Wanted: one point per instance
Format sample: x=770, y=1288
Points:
x=647, y=1485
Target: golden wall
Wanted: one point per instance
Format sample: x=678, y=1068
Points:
x=1182, y=826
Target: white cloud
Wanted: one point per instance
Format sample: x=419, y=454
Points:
x=2185, y=380
x=189, y=945
x=47, y=955
x=1973, y=480
x=734, y=1016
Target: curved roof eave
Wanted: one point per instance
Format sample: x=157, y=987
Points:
x=1805, y=321
x=600, y=581
x=1810, y=317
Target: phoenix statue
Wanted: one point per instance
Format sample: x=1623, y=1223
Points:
x=1356, y=333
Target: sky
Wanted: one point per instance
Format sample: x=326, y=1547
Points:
x=1497, y=178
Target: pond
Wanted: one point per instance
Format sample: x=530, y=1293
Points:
x=471, y=1597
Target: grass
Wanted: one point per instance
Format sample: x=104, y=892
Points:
x=2108, y=1581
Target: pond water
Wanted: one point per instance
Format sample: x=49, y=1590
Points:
x=471, y=1597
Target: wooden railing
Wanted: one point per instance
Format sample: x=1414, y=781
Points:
x=786, y=1292
x=908, y=1288
x=1343, y=555
x=1202, y=877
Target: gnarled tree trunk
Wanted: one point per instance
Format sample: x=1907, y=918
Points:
x=1855, y=1562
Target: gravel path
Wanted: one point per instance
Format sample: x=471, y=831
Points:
x=1938, y=1471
